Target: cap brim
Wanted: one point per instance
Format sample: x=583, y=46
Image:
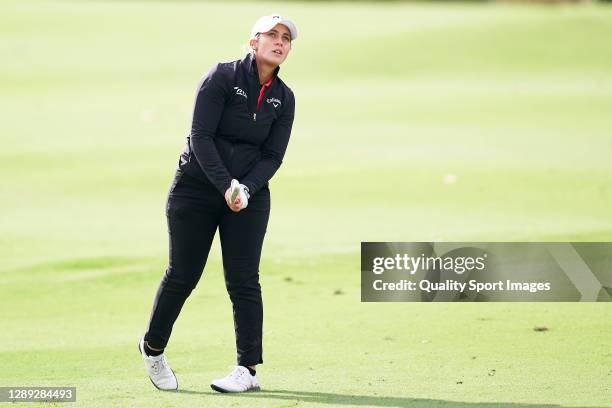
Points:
x=292, y=28
x=287, y=23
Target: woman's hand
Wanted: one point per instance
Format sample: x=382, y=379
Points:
x=236, y=205
x=240, y=196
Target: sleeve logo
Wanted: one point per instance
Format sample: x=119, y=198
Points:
x=240, y=92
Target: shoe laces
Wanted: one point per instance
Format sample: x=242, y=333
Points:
x=237, y=373
x=159, y=365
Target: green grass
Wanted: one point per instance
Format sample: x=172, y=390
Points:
x=513, y=100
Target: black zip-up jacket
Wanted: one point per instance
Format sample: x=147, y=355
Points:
x=230, y=137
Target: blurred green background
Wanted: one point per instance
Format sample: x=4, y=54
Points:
x=414, y=122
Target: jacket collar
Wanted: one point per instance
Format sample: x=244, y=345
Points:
x=251, y=64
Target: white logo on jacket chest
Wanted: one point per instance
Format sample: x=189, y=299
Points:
x=240, y=92
x=274, y=102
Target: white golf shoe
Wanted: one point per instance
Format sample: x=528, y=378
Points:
x=159, y=371
x=239, y=380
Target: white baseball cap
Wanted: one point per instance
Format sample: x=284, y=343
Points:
x=266, y=23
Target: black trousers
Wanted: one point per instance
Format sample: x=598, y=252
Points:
x=194, y=211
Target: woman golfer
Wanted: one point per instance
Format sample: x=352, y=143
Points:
x=242, y=120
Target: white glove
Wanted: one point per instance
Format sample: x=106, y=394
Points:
x=239, y=190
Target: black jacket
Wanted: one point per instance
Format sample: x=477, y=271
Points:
x=230, y=137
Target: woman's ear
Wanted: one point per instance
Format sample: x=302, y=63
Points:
x=253, y=44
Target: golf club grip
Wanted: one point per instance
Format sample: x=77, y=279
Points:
x=234, y=194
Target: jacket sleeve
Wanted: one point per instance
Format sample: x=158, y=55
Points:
x=207, y=111
x=272, y=150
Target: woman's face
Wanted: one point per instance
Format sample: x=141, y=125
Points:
x=273, y=46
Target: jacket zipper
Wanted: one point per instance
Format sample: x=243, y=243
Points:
x=262, y=90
